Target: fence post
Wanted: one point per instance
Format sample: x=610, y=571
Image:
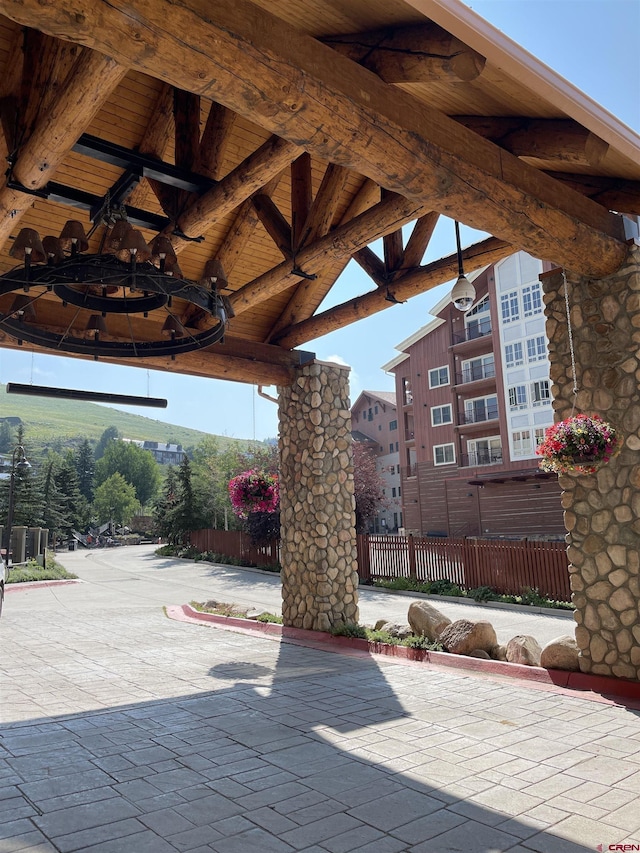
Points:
x=412, y=556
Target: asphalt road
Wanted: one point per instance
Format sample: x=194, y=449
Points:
x=133, y=577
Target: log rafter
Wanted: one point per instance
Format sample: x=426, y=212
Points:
x=307, y=93
x=418, y=281
x=338, y=245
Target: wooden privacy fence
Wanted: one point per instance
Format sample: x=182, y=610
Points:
x=507, y=567
x=235, y=543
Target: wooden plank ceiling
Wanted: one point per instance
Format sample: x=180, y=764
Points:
x=314, y=129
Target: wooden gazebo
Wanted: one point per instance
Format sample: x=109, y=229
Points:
x=281, y=139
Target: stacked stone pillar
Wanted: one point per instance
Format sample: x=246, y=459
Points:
x=602, y=511
x=318, y=540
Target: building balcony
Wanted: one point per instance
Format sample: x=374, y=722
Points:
x=475, y=374
x=409, y=471
x=477, y=416
x=472, y=333
x=481, y=457
x=409, y=435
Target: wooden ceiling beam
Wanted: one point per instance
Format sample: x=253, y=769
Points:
x=305, y=92
x=237, y=237
x=243, y=181
x=274, y=223
x=10, y=94
x=367, y=259
x=419, y=281
x=325, y=204
x=612, y=193
x=308, y=295
x=419, y=240
x=155, y=141
x=93, y=78
x=214, y=141
x=542, y=139
x=416, y=54
x=213, y=363
x=339, y=244
x=301, y=196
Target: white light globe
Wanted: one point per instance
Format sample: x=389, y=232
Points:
x=463, y=294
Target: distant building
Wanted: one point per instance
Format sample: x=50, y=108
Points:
x=474, y=402
x=164, y=454
x=374, y=421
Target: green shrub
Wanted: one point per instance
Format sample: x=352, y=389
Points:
x=420, y=642
x=349, y=629
x=382, y=637
x=269, y=617
x=482, y=593
x=446, y=587
x=33, y=571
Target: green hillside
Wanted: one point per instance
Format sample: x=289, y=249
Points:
x=58, y=424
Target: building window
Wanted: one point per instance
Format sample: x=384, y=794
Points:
x=397, y=446
x=540, y=393
x=370, y=415
x=522, y=443
x=392, y=469
x=513, y=354
x=441, y=415
x=407, y=396
x=393, y=425
x=395, y=519
x=517, y=397
x=438, y=376
x=536, y=348
x=509, y=306
x=399, y=491
x=444, y=454
x=538, y=435
x=485, y=451
x=393, y=492
x=532, y=299
x=391, y=448
x=376, y=410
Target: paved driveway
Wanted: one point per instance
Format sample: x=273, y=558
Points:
x=126, y=732
x=141, y=578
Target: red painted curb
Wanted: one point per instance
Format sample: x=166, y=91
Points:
x=608, y=688
x=27, y=585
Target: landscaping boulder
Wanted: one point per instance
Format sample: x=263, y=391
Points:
x=463, y=637
x=524, y=649
x=480, y=653
x=561, y=653
x=426, y=620
x=498, y=653
x=395, y=629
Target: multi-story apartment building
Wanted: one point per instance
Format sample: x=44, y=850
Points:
x=474, y=400
x=164, y=454
x=374, y=420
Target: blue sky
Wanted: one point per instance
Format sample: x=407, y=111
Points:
x=592, y=43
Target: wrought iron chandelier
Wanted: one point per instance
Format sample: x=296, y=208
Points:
x=68, y=300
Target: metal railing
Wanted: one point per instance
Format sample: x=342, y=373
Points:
x=472, y=374
x=481, y=457
x=472, y=333
x=477, y=416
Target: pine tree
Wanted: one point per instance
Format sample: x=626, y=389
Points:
x=85, y=467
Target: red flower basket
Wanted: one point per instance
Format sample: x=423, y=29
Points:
x=579, y=444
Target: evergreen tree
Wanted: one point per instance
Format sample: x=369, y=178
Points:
x=52, y=518
x=164, y=508
x=27, y=492
x=84, y=461
x=6, y=437
x=110, y=434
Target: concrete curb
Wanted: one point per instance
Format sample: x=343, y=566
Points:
x=599, y=688
x=27, y=585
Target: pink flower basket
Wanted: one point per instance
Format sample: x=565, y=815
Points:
x=580, y=444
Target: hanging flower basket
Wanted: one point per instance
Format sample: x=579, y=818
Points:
x=253, y=491
x=579, y=444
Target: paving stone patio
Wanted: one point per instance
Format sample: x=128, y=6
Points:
x=125, y=731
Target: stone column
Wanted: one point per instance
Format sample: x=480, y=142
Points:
x=318, y=540
x=602, y=511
